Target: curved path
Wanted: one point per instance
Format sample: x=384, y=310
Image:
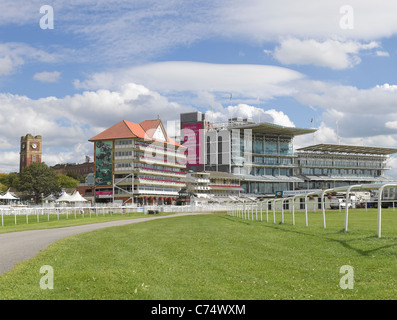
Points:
x=23, y=245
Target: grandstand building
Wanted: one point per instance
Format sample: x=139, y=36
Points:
x=326, y=166
x=259, y=155
x=138, y=163
x=262, y=158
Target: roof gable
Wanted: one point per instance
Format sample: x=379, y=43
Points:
x=148, y=129
x=120, y=130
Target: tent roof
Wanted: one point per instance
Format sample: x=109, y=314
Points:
x=8, y=196
x=76, y=197
x=64, y=197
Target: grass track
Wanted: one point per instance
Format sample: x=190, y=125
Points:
x=218, y=257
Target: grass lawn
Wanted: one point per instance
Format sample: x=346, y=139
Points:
x=11, y=223
x=218, y=257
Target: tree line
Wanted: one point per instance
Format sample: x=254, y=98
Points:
x=38, y=181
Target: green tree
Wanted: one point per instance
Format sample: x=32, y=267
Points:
x=38, y=180
x=75, y=176
x=10, y=180
x=66, y=182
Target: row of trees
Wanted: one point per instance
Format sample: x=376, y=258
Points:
x=37, y=180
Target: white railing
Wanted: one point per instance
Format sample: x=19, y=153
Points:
x=43, y=214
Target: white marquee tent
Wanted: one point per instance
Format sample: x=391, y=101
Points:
x=76, y=197
x=8, y=196
x=64, y=197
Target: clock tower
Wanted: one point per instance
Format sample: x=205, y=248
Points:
x=30, y=151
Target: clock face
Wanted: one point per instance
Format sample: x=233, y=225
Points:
x=34, y=146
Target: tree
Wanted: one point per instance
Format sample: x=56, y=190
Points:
x=76, y=176
x=10, y=180
x=65, y=181
x=38, y=180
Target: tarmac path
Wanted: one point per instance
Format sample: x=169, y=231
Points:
x=23, y=245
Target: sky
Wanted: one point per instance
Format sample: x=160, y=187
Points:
x=70, y=69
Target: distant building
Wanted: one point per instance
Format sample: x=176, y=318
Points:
x=80, y=168
x=138, y=163
x=30, y=151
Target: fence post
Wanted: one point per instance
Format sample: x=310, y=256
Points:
x=306, y=222
x=274, y=211
x=293, y=211
x=282, y=210
x=267, y=211
x=261, y=210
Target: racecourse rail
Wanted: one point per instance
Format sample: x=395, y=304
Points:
x=241, y=210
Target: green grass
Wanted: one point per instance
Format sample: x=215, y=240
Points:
x=218, y=257
x=53, y=221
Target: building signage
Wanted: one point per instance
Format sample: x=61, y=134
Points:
x=191, y=140
x=103, y=163
x=279, y=194
x=104, y=194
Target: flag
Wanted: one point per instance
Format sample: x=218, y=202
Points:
x=311, y=120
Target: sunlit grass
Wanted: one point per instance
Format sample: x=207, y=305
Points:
x=219, y=257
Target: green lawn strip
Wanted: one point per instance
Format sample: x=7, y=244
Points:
x=217, y=257
x=31, y=223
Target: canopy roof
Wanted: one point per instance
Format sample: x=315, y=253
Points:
x=349, y=149
x=270, y=128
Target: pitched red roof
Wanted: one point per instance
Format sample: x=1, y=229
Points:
x=126, y=129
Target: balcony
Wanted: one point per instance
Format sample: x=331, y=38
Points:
x=159, y=161
x=169, y=183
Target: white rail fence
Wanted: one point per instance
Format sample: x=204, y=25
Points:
x=268, y=207
x=258, y=210
x=37, y=214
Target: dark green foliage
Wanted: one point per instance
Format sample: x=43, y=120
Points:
x=38, y=180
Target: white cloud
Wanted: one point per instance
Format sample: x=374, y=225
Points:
x=333, y=54
x=143, y=29
x=194, y=77
x=382, y=54
x=256, y=114
x=67, y=123
x=268, y=20
x=13, y=55
x=381, y=99
x=387, y=87
x=47, y=76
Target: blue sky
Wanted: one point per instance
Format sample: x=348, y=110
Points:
x=285, y=62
